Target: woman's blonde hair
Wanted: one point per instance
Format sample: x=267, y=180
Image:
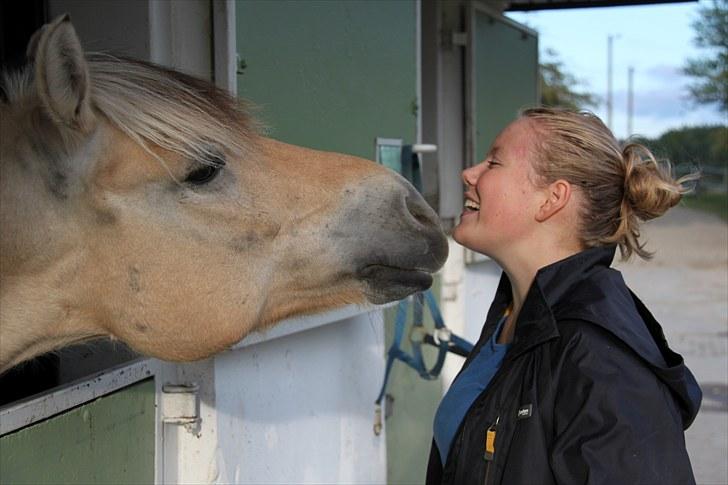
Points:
x=623, y=186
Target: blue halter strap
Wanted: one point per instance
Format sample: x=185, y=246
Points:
x=442, y=338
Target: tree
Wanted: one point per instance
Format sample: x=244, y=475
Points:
x=710, y=72
x=559, y=87
x=699, y=146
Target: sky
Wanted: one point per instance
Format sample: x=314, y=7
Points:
x=655, y=40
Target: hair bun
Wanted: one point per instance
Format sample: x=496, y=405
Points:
x=649, y=187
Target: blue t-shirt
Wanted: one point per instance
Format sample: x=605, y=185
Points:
x=466, y=388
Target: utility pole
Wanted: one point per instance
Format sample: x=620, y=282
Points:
x=610, y=39
x=630, y=100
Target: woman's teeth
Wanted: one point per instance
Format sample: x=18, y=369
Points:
x=469, y=204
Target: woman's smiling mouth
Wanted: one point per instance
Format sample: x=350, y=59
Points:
x=471, y=205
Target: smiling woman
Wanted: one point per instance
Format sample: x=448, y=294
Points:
x=142, y=204
x=572, y=380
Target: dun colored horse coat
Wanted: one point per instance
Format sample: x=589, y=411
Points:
x=141, y=204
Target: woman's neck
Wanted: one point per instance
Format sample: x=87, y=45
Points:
x=521, y=273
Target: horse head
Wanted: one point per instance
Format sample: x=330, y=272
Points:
x=142, y=204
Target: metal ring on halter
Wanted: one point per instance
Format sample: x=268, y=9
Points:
x=441, y=335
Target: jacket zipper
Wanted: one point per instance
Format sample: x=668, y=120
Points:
x=489, y=455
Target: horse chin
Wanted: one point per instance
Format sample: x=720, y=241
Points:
x=384, y=284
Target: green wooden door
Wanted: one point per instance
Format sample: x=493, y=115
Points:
x=505, y=75
x=330, y=75
x=110, y=440
x=335, y=75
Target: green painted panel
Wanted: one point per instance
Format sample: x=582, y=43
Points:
x=506, y=77
x=330, y=75
x=110, y=440
x=409, y=428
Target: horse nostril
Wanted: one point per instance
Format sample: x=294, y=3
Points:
x=419, y=209
x=422, y=219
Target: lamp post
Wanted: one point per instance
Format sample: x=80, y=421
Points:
x=609, y=81
x=630, y=99
x=610, y=103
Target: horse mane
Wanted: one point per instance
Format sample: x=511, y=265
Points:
x=153, y=104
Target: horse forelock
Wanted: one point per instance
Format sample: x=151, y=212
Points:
x=157, y=106
x=168, y=108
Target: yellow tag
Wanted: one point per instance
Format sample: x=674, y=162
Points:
x=490, y=441
x=508, y=310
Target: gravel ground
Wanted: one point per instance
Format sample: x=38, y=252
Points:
x=685, y=286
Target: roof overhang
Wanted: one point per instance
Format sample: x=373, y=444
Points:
x=529, y=5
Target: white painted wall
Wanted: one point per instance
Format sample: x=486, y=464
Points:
x=300, y=409
x=453, y=307
x=481, y=281
x=181, y=35
x=467, y=292
x=293, y=405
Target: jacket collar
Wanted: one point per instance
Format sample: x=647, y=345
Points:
x=582, y=287
x=536, y=323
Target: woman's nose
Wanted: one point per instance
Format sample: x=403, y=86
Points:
x=470, y=175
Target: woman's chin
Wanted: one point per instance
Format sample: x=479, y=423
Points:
x=464, y=237
x=457, y=234
x=460, y=236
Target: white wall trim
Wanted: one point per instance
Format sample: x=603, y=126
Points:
x=224, y=40
x=418, y=73
x=490, y=11
x=300, y=324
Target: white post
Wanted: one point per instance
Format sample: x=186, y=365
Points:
x=225, y=45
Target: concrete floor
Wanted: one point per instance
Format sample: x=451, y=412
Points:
x=686, y=288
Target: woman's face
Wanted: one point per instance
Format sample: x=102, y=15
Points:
x=501, y=199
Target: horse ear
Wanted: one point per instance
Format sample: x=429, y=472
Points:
x=61, y=74
x=33, y=43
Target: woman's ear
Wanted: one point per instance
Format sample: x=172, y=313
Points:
x=558, y=194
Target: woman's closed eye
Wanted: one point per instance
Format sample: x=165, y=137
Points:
x=492, y=163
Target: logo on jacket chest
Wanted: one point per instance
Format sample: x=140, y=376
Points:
x=524, y=411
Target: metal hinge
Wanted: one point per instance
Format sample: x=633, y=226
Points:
x=180, y=404
x=450, y=39
x=460, y=38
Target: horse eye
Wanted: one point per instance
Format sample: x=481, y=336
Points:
x=203, y=175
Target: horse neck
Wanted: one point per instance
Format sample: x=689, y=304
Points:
x=38, y=312
x=40, y=248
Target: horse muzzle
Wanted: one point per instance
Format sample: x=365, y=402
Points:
x=404, y=247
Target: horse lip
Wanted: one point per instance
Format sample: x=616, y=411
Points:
x=367, y=270
x=386, y=283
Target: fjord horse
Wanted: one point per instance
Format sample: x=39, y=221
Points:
x=142, y=204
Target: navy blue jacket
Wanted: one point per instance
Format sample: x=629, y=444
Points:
x=589, y=391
